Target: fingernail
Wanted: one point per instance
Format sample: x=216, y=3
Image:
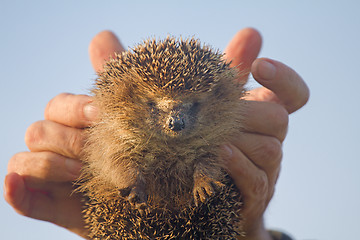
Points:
x=266, y=70
x=73, y=166
x=227, y=151
x=90, y=112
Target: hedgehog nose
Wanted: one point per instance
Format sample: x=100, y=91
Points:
x=176, y=123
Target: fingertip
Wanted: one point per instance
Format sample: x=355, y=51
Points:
x=102, y=47
x=251, y=33
x=226, y=152
x=73, y=167
x=103, y=36
x=14, y=189
x=243, y=49
x=263, y=69
x=71, y=110
x=232, y=158
x=87, y=110
x=286, y=84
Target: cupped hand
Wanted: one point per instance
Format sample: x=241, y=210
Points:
x=39, y=182
x=253, y=160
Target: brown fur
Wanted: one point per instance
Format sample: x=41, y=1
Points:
x=132, y=155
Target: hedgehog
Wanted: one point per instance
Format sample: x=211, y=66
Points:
x=152, y=165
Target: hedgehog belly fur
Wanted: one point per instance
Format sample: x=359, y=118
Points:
x=217, y=218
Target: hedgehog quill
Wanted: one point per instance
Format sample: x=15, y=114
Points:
x=152, y=167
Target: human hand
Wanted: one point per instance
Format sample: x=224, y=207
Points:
x=254, y=159
x=39, y=182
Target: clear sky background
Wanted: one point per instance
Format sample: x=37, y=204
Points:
x=44, y=52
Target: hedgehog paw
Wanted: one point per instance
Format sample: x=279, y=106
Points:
x=204, y=188
x=135, y=195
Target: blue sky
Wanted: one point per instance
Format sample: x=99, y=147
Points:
x=43, y=52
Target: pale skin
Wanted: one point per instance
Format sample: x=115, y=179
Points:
x=38, y=184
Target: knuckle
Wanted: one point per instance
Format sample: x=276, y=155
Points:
x=281, y=118
x=272, y=150
x=40, y=165
x=270, y=194
x=52, y=104
x=15, y=161
x=49, y=106
x=44, y=166
x=75, y=141
x=35, y=134
x=280, y=121
x=260, y=184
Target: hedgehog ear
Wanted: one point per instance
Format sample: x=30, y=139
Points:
x=217, y=90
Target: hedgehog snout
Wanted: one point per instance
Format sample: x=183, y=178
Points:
x=176, y=123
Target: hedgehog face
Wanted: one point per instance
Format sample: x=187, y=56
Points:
x=168, y=90
x=150, y=111
x=173, y=117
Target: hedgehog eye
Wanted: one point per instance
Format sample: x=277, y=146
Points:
x=151, y=104
x=194, y=107
x=152, y=107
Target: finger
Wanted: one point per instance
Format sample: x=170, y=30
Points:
x=48, y=207
x=53, y=137
x=102, y=48
x=247, y=177
x=71, y=110
x=243, y=50
x=286, y=85
x=262, y=94
x=250, y=180
x=47, y=166
x=16, y=194
x=25, y=201
x=266, y=118
x=265, y=152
